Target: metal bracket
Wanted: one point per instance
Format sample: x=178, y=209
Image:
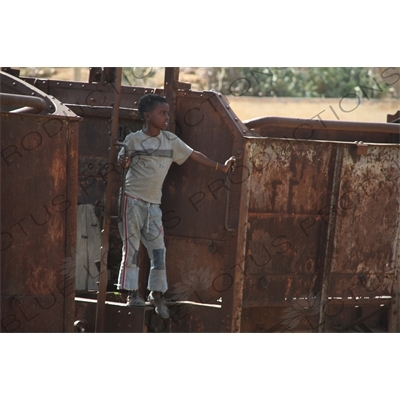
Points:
x=362, y=148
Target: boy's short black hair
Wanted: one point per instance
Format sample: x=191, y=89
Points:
x=148, y=102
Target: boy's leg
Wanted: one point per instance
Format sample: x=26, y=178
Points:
x=153, y=238
x=129, y=227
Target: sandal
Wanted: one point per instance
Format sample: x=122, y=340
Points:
x=159, y=305
x=134, y=300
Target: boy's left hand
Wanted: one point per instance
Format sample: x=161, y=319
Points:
x=230, y=163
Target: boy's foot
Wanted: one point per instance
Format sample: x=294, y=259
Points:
x=159, y=305
x=134, y=299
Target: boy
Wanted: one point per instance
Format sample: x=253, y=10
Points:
x=151, y=152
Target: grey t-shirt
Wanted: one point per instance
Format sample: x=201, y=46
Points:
x=151, y=159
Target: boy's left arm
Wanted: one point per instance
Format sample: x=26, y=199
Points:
x=207, y=162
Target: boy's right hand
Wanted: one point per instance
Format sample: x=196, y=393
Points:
x=124, y=162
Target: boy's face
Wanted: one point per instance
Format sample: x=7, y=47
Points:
x=158, y=117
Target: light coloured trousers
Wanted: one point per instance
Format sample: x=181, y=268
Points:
x=141, y=221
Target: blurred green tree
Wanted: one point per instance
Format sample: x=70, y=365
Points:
x=297, y=81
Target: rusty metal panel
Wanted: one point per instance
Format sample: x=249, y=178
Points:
x=196, y=272
x=38, y=216
x=322, y=236
x=52, y=312
x=303, y=316
x=286, y=226
x=365, y=259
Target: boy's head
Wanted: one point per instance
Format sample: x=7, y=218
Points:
x=148, y=102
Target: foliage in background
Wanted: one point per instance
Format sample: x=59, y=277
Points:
x=296, y=82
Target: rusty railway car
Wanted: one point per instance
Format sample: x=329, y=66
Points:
x=303, y=236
